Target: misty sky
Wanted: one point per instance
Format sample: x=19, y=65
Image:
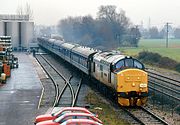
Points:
x=48, y=12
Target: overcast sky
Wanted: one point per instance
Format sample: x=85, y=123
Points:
x=48, y=12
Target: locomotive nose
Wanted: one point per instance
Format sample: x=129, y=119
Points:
x=132, y=80
x=132, y=87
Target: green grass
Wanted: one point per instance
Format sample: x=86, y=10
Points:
x=159, y=43
x=156, y=45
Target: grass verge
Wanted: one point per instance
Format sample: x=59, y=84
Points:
x=105, y=112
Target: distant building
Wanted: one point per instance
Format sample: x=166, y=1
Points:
x=20, y=28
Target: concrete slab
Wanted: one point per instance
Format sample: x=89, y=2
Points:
x=19, y=98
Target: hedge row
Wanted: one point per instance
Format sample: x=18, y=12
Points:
x=158, y=60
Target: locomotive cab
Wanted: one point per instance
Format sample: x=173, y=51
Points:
x=131, y=82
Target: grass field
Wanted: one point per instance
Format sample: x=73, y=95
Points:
x=158, y=46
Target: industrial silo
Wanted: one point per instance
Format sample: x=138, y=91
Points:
x=13, y=31
x=27, y=30
x=2, y=28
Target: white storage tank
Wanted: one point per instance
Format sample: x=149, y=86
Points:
x=27, y=31
x=13, y=31
x=2, y=28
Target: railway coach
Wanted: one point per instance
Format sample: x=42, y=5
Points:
x=123, y=74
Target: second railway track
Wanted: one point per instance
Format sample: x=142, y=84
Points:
x=164, y=85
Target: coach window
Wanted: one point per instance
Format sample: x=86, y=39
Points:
x=68, y=53
x=101, y=67
x=94, y=66
x=77, y=58
x=74, y=57
x=80, y=60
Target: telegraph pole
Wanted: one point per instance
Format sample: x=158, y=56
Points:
x=136, y=27
x=118, y=37
x=167, y=33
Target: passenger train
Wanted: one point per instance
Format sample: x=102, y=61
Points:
x=124, y=74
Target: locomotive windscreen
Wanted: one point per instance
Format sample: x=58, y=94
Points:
x=127, y=63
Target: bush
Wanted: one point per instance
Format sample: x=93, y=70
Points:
x=177, y=67
x=158, y=60
x=149, y=57
x=166, y=62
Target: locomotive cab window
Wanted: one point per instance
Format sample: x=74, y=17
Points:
x=127, y=63
x=120, y=64
x=138, y=65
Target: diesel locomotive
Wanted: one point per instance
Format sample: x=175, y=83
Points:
x=124, y=74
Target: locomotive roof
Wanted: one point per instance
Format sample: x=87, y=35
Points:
x=84, y=51
x=108, y=57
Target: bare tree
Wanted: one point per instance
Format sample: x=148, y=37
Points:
x=28, y=11
x=107, y=12
x=109, y=30
x=19, y=10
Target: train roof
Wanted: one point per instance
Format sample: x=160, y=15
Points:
x=42, y=38
x=109, y=57
x=51, y=40
x=84, y=51
x=68, y=45
x=58, y=42
x=106, y=57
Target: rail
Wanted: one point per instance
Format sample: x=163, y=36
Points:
x=165, y=77
x=55, y=84
x=57, y=89
x=164, y=85
x=74, y=95
x=143, y=116
x=77, y=93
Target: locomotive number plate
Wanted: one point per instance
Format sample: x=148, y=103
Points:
x=143, y=85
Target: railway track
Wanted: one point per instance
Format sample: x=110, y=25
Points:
x=144, y=116
x=135, y=115
x=164, y=85
x=64, y=92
